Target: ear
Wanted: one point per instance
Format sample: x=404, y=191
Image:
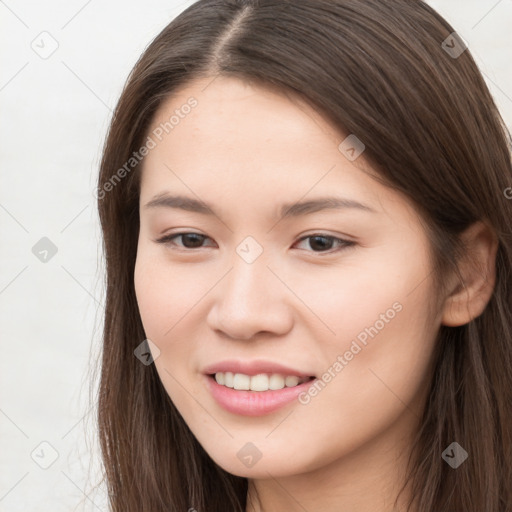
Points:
x=467, y=300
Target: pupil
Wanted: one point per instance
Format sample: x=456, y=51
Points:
x=198, y=238
x=314, y=239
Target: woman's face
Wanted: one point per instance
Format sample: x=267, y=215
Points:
x=335, y=291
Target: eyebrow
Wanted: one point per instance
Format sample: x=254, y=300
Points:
x=288, y=209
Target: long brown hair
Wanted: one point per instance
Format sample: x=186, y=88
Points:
x=383, y=71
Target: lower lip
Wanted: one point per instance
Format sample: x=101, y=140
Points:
x=254, y=403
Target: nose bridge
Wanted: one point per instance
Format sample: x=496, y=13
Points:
x=251, y=298
x=250, y=280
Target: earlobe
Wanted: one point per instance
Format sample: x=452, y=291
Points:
x=467, y=300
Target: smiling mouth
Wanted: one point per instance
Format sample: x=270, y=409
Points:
x=259, y=382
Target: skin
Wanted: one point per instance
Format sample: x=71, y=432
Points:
x=246, y=150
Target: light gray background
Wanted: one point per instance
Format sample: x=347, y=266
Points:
x=54, y=116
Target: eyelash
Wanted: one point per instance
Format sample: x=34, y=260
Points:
x=345, y=244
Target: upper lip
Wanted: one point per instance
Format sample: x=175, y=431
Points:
x=253, y=367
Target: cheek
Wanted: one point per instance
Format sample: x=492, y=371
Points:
x=367, y=386
x=165, y=297
x=169, y=296
x=383, y=335
x=151, y=293
x=166, y=293
x=369, y=293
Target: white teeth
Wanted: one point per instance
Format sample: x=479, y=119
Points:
x=228, y=379
x=260, y=382
x=241, y=381
x=291, y=381
x=276, y=381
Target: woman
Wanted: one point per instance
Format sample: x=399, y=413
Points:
x=308, y=255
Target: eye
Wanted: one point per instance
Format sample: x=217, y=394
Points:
x=319, y=242
x=322, y=241
x=190, y=240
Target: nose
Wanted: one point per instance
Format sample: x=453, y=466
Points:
x=249, y=300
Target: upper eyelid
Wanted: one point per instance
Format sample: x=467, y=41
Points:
x=316, y=233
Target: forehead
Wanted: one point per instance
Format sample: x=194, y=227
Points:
x=241, y=131
x=234, y=113
x=249, y=148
